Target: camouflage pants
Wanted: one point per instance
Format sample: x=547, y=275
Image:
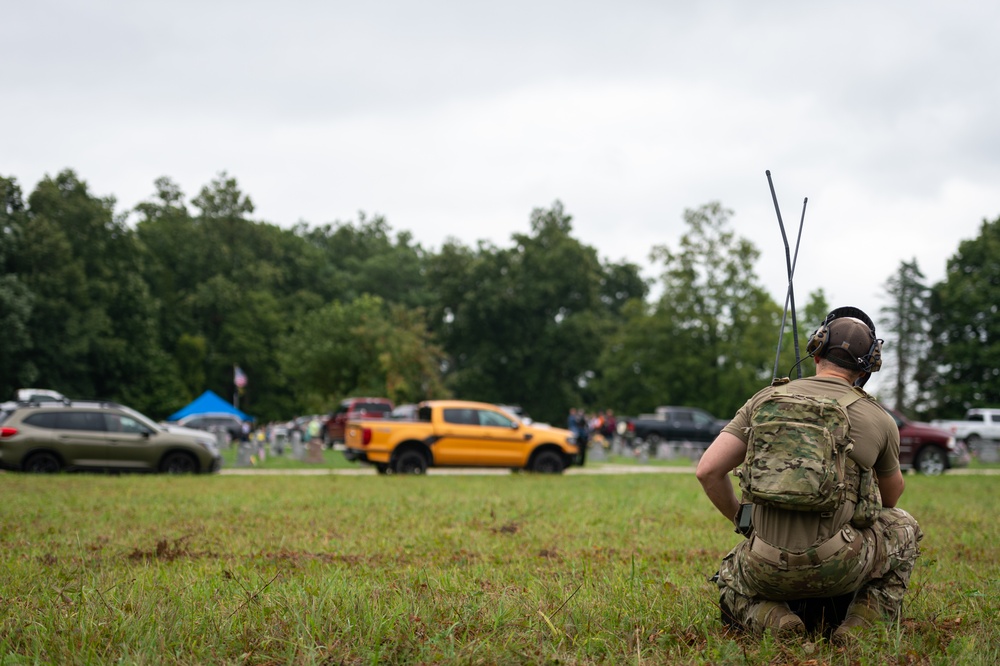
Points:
x=875, y=567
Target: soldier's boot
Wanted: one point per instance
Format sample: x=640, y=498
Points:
x=860, y=616
x=780, y=619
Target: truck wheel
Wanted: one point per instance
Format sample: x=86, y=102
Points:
x=547, y=462
x=652, y=441
x=973, y=441
x=931, y=461
x=411, y=462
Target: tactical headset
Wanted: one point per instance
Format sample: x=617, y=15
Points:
x=820, y=339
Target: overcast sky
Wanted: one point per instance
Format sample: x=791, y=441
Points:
x=459, y=118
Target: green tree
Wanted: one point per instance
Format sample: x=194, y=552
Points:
x=905, y=323
x=229, y=287
x=727, y=323
x=93, y=320
x=16, y=299
x=364, y=348
x=366, y=258
x=526, y=324
x=963, y=366
x=710, y=339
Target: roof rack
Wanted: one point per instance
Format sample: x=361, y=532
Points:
x=64, y=403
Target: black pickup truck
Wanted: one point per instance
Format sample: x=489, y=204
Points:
x=676, y=424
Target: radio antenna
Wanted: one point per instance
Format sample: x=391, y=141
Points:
x=790, y=292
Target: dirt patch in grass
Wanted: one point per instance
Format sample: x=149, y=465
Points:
x=167, y=550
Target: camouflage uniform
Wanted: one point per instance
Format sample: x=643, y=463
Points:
x=796, y=555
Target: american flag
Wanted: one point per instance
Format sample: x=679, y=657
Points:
x=239, y=377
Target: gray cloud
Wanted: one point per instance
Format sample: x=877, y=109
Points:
x=455, y=119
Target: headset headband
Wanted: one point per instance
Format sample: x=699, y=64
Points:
x=849, y=311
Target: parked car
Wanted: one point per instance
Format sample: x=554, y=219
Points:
x=450, y=433
x=40, y=395
x=979, y=424
x=407, y=412
x=355, y=408
x=676, y=424
x=517, y=411
x=81, y=435
x=214, y=422
x=927, y=448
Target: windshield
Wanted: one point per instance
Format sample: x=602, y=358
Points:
x=143, y=419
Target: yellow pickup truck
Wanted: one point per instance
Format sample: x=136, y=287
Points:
x=459, y=433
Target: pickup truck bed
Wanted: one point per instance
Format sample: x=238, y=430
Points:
x=979, y=424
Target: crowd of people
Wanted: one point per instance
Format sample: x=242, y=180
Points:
x=599, y=428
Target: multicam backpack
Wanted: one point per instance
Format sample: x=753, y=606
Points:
x=797, y=452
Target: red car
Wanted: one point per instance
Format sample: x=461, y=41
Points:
x=927, y=449
x=355, y=408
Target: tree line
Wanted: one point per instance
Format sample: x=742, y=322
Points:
x=152, y=306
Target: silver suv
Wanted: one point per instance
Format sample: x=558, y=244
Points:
x=214, y=422
x=81, y=434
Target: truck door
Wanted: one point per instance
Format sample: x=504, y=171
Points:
x=479, y=437
x=503, y=442
x=458, y=437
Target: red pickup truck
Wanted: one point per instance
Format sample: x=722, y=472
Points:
x=352, y=409
x=928, y=449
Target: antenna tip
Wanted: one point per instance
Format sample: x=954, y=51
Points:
x=767, y=171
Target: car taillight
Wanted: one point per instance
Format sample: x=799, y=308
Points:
x=7, y=432
x=366, y=436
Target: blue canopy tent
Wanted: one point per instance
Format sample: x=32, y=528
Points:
x=208, y=403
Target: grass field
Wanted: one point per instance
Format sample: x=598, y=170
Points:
x=515, y=569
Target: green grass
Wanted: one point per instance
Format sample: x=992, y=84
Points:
x=514, y=569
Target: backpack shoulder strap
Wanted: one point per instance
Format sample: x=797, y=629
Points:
x=850, y=397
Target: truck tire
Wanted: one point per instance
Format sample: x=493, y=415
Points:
x=931, y=461
x=548, y=462
x=411, y=462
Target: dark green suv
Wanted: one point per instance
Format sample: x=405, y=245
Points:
x=79, y=435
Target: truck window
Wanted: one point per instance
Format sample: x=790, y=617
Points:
x=702, y=419
x=488, y=418
x=975, y=417
x=461, y=416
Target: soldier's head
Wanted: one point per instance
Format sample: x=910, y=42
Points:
x=847, y=339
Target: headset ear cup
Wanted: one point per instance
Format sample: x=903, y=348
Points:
x=876, y=356
x=817, y=340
